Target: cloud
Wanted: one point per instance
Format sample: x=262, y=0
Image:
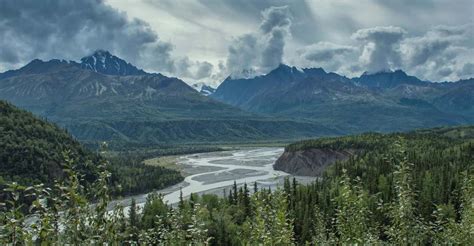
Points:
x=181, y=38
x=194, y=70
x=272, y=54
x=418, y=50
x=443, y=30
x=440, y=53
x=380, y=51
x=275, y=17
x=156, y=56
x=260, y=52
x=203, y=70
x=276, y=24
x=69, y=29
x=243, y=54
x=324, y=51
x=467, y=70
x=72, y=29
x=330, y=56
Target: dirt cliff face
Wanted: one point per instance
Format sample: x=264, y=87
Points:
x=311, y=162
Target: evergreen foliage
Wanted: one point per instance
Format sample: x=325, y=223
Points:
x=344, y=207
x=32, y=152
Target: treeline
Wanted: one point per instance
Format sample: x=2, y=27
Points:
x=442, y=137
x=166, y=150
x=340, y=209
x=129, y=176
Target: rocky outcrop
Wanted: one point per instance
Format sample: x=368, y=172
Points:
x=311, y=162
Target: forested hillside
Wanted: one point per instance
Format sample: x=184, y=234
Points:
x=437, y=163
x=415, y=188
x=34, y=151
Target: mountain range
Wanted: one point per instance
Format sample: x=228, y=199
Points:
x=104, y=98
x=384, y=101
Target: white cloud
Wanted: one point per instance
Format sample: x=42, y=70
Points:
x=261, y=51
x=381, y=49
x=206, y=40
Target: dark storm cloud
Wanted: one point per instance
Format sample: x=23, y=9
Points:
x=70, y=29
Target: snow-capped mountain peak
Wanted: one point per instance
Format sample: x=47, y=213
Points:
x=104, y=62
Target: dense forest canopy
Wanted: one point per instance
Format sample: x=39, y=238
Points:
x=31, y=149
x=34, y=151
x=414, y=188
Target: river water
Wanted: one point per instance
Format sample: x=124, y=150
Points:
x=215, y=172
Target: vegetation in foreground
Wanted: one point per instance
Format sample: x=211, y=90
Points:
x=337, y=210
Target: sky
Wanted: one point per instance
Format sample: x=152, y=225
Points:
x=209, y=40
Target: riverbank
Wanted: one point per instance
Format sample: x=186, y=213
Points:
x=214, y=172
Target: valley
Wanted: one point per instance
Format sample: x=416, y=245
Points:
x=130, y=107
x=236, y=123
x=216, y=172
x=146, y=156
x=112, y=100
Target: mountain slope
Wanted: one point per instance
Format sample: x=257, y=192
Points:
x=387, y=79
x=105, y=63
x=385, y=101
x=458, y=97
x=137, y=109
x=31, y=150
x=204, y=89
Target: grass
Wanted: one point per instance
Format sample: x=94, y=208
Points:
x=169, y=162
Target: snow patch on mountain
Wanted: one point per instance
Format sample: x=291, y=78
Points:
x=102, y=61
x=203, y=88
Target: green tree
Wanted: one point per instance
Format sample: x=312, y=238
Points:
x=406, y=228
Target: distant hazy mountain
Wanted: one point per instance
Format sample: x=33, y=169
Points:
x=384, y=101
x=287, y=87
x=388, y=79
x=103, y=98
x=204, y=89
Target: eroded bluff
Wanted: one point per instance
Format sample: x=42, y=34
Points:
x=310, y=162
